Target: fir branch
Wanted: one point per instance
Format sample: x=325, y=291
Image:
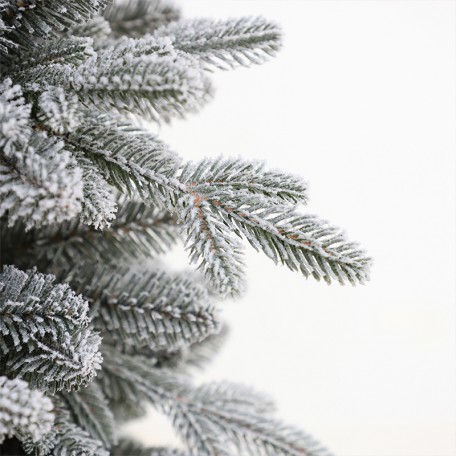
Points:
x=225, y=44
x=130, y=158
x=130, y=49
x=97, y=28
x=15, y=128
x=237, y=175
x=44, y=334
x=152, y=85
x=63, y=50
x=43, y=18
x=156, y=85
x=42, y=447
x=154, y=384
x=5, y=43
x=125, y=399
x=59, y=112
x=233, y=398
x=146, y=309
x=91, y=411
x=259, y=211
x=40, y=185
x=130, y=447
x=136, y=18
x=70, y=439
x=24, y=413
x=213, y=419
x=301, y=242
x=212, y=246
x=98, y=205
x=139, y=231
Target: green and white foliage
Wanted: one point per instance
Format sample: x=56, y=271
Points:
x=98, y=206
x=67, y=437
x=214, y=419
x=89, y=197
x=5, y=43
x=149, y=84
x=138, y=232
x=91, y=412
x=225, y=44
x=212, y=246
x=147, y=309
x=224, y=198
x=30, y=20
x=44, y=332
x=127, y=446
x=58, y=112
x=137, y=18
x=132, y=160
x=24, y=412
x=41, y=184
x=97, y=28
x=63, y=50
x=72, y=439
x=14, y=118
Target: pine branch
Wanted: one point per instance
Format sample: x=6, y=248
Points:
x=213, y=419
x=225, y=44
x=136, y=18
x=139, y=231
x=59, y=112
x=24, y=413
x=71, y=439
x=97, y=28
x=261, y=213
x=44, y=333
x=98, y=206
x=42, y=447
x=232, y=398
x=91, y=412
x=131, y=49
x=125, y=399
x=62, y=50
x=130, y=158
x=41, y=185
x=29, y=19
x=156, y=85
x=5, y=43
x=155, y=385
x=152, y=85
x=129, y=447
x=15, y=129
x=301, y=242
x=66, y=437
x=146, y=309
x=239, y=176
x=212, y=246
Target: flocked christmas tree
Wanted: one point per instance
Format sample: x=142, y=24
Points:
x=91, y=329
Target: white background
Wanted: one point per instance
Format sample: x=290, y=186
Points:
x=361, y=102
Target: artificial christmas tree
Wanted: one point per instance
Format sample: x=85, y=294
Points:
x=92, y=329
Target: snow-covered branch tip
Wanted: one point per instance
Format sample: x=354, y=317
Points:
x=44, y=332
x=224, y=199
x=24, y=413
x=225, y=44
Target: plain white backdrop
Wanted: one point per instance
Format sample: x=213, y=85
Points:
x=361, y=102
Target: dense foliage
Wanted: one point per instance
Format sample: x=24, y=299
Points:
x=92, y=329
